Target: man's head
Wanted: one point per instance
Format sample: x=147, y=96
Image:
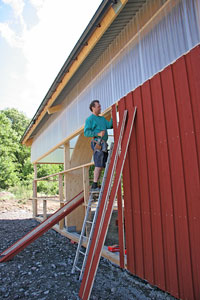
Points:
x=95, y=107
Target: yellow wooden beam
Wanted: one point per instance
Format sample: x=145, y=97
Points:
x=29, y=142
x=54, y=109
x=94, y=38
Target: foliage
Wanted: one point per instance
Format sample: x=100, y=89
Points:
x=48, y=188
x=13, y=156
x=91, y=174
x=22, y=192
x=15, y=165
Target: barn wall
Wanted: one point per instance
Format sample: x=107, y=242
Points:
x=161, y=179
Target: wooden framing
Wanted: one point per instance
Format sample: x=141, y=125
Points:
x=34, y=202
x=61, y=223
x=29, y=142
x=66, y=166
x=54, y=109
x=75, y=180
x=82, y=154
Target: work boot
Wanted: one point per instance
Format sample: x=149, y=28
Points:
x=94, y=188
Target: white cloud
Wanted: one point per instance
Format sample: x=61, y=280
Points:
x=37, y=3
x=6, y=29
x=10, y=36
x=17, y=6
x=46, y=45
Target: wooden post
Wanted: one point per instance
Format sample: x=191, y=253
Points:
x=34, y=201
x=86, y=187
x=86, y=190
x=61, y=223
x=44, y=209
x=66, y=176
x=66, y=166
x=81, y=154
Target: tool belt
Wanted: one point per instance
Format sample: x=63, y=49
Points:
x=101, y=145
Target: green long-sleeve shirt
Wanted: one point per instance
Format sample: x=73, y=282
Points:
x=95, y=124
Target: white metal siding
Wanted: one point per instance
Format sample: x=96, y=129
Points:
x=172, y=31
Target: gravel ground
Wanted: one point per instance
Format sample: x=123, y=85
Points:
x=43, y=269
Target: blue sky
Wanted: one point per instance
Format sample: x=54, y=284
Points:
x=36, y=37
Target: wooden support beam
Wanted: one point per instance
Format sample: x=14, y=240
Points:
x=66, y=166
x=61, y=223
x=44, y=209
x=82, y=154
x=66, y=176
x=66, y=171
x=34, y=201
x=86, y=191
x=29, y=142
x=54, y=109
x=86, y=187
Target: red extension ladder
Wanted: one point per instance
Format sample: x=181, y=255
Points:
x=106, y=206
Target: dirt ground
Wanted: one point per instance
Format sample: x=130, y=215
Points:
x=43, y=269
x=9, y=202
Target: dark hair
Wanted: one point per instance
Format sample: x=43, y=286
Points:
x=92, y=104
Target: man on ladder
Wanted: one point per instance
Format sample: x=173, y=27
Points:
x=96, y=126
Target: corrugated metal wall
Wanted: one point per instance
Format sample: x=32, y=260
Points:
x=161, y=179
x=156, y=36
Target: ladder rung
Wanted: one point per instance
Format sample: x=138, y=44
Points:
x=92, y=204
x=87, y=205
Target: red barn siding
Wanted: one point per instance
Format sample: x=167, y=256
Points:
x=161, y=179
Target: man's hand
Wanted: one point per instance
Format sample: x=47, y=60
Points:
x=101, y=133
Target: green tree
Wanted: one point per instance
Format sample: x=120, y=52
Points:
x=49, y=188
x=8, y=144
x=15, y=162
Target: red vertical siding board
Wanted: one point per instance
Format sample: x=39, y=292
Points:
x=144, y=190
x=178, y=186
x=165, y=188
x=154, y=193
x=162, y=207
x=136, y=210
x=127, y=205
x=121, y=228
x=119, y=202
x=193, y=67
x=190, y=162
